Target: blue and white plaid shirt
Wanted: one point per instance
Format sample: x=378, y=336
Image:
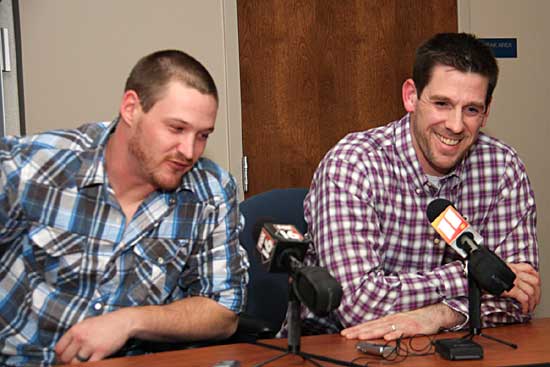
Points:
x=67, y=253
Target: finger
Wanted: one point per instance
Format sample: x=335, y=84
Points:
x=70, y=352
x=354, y=330
x=522, y=267
x=527, y=268
x=82, y=355
x=63, y=343
x=530, y=278
x=529, y=286
x=97, y=356
x=522, y=298
x=380, y=331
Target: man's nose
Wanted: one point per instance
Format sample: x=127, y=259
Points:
x=186, y=146
x=455, y=120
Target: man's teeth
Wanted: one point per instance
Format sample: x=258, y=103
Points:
x=448, y=141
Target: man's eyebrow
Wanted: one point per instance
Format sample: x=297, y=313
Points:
x=439, y=98
x=447, y=99
x=185, y=123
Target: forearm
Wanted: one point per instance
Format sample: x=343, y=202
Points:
x=194, y=318
x=377, y=295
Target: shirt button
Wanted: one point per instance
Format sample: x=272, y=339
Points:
x=172, y=201
x=436, y=241
x=98, y=306
x=418, y=191
x=160, y=260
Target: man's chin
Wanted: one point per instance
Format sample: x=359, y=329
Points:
x=168, y=184
x=444, y=168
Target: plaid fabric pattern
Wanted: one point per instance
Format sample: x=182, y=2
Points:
x=67, y=252
x=366, y=211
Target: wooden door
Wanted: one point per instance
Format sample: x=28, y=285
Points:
x=314, y=70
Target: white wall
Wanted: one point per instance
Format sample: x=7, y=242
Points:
x=9, y=78
x=519, y=114
x=77, y=54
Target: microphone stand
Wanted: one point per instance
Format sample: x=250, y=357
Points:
x=294, y=334
x=474, y=308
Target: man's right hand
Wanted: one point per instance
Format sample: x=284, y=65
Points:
x=526, y=286
x=95, y=338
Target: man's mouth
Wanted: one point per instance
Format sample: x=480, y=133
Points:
x=447, y=141
x=179, y=165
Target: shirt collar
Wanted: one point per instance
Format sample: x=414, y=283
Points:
x=92, y=168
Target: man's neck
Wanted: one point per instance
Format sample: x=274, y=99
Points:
x=130, y=189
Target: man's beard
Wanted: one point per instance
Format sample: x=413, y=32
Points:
x=148, y=166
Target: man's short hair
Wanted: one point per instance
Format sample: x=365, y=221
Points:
x=152, y=73
x=461, y=51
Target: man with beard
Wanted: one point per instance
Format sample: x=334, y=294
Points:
x=366, y=208
x=116, y=233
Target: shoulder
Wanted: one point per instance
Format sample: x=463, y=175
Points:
x=364, y=143
x=79, y=139
x=360, y=162
x=208, y=179
x=495, y=155
x=42, y=155
x=363, y=153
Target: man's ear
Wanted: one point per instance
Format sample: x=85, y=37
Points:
x=409, y=95
x=129, y=106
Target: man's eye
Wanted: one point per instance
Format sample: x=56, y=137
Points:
x=441, y=104
x=472, y=111
x=176, y=129
x=204, y=136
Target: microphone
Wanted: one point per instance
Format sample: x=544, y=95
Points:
x=452, y=227
x=282, y=249
x=281, y=246
x=490, y=271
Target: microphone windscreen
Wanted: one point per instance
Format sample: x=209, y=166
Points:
x=491, y=272
x=436, y=207
x=317, y=290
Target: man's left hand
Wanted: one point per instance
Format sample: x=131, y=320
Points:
x=428, y=320
x=94, y=338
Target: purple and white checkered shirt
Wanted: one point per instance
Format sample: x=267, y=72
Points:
x=366, y=211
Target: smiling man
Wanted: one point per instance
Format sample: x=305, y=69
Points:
x=117, y=233
x=366, y=208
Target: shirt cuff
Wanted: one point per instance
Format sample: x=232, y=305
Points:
x=460, y=306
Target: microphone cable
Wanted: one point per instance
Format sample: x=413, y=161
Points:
x=400, y=349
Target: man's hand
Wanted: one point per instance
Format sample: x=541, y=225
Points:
x=428, y=320
x=526, y=287
x=95, y=338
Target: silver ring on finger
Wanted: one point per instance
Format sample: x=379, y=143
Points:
x=81, y=359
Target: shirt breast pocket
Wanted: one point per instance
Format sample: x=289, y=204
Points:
x=157, y=267
x=57, y=256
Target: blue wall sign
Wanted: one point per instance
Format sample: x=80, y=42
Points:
x=502, y=47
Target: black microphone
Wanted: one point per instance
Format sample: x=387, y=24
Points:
x=282, y=248
x=490, y=271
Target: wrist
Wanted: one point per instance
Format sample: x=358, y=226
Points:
x=130, y=320
x=449, y=318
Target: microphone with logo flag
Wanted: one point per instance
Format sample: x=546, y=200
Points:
x=490, y=271
x=282, y=249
